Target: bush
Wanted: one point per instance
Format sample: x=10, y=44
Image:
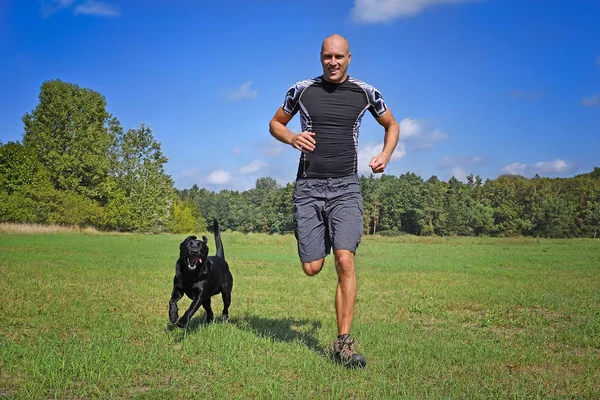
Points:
x=74, y=209
x=184, y=219
x=17, y=208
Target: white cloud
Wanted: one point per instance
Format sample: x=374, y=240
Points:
x=591, y=101
x=189, y=173
x=515, y=168
x=253, y=167
x=417, y=134
x=89, y=7
x=243, y=92
x=459, y=167
x=219, y=177
x=97, y=8
x=374, y=11
x=557, y=166
x=54, y=6
x=370, y=150
x=459, y=173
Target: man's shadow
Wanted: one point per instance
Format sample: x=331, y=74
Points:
x=283, y=330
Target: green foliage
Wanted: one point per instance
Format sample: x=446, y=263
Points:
x=20, y=170
x=74, y=209
x=77, y=167
x=118, y=213
x=144, y=202
x=69, y=132
x=17, y=208
x=186, y=218
x=511, y=205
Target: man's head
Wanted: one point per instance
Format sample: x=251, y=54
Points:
x=335, y=58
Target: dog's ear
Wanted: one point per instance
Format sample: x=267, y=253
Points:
x=204, y=239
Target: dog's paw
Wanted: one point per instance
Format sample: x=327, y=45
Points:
x=173, y=318
x=182, y=323
x=225, y=317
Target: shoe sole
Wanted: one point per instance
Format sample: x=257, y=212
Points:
x=356, y=362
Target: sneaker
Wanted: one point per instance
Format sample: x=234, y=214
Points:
x=343, y=351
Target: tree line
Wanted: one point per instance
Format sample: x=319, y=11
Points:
x=76, y=165
x=510, y=205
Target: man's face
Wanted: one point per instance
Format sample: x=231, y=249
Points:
x=335, y=57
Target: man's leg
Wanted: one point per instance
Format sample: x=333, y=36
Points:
x=310, y=230
x=313, y=268
x=345, y=296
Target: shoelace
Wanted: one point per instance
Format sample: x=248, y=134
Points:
x=347, y=349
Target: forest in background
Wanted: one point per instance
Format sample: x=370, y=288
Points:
x=76, y=165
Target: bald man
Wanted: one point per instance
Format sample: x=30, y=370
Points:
x=327, y=200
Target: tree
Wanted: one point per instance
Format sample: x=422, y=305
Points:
x=147, y=191
x=69, y=133
x=431, y=213
x=20, y=170
x=258, y=204
x=26, y=193
x=186, y=218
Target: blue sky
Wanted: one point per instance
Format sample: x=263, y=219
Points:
x=478, y=86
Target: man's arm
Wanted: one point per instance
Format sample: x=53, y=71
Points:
x=303, y=141
x=390, y=140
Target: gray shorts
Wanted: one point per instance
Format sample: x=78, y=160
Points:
x=327, y=213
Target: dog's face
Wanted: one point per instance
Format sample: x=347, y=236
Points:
x=193, y=251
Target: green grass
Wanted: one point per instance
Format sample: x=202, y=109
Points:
x=84, y=315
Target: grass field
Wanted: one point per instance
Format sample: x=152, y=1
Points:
x=84, y=315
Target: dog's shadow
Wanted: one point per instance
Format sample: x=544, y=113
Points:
x=279, y=330
x=194, y=324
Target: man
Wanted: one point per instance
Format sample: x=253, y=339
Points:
x=327, y=199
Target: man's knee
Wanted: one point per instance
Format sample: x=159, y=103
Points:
x=312, y=268
x=344, y=262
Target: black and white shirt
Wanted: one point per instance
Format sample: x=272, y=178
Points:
x=334, y=113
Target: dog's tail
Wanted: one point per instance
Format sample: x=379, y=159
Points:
x=218, y=243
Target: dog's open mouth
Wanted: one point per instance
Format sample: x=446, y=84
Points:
x=193, y=262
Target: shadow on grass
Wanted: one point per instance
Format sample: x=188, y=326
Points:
x=283, y=330
x=197, y=322
x=280, y=330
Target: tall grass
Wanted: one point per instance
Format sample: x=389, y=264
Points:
x=85, y=316
x=32, y=229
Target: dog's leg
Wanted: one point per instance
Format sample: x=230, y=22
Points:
x=209, y=312
x=185, y=319
x=176, y=295
x=226, y=294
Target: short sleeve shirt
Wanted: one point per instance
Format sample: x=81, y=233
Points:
x=334, y=113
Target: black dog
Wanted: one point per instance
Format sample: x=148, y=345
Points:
x=200, y=276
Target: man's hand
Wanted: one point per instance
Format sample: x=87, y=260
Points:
x=378, y=163
x=304, y=141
